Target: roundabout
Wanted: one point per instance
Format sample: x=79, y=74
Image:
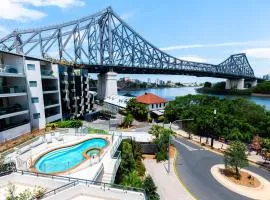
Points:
x=259, y=190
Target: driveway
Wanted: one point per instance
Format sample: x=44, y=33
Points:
x=193, y=166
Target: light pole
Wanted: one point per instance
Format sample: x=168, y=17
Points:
x=212, y=139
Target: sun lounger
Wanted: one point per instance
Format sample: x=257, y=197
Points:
x=58, y=136
x=23, y=149
x=38, y=142
x=48, y=138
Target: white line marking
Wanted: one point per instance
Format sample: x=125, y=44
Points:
x=185, y=145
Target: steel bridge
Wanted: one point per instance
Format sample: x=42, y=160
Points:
x=104, y=42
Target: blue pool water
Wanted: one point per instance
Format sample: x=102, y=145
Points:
x=67, y=157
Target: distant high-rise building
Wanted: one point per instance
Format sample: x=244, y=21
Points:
x=266, y=77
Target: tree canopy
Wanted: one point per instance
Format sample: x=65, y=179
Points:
x=236, y=119
x=138, y=110
x=262, y=88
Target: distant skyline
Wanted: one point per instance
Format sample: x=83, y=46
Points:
x=203, y=31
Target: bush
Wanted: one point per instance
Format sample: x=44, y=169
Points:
x=127, y=121
x=161, y=118
x=150, y=188
x=65, y=124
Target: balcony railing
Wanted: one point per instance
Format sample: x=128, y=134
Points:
x=50, y=102
x=12, y=89
x=51, y=113
x=4, y=126
x=12, y=109
x=46, y=72
x=50, y=88
x=9, y=69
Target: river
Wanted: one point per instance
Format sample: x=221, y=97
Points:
x=171, y=93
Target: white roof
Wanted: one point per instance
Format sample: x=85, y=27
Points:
x=117, y=100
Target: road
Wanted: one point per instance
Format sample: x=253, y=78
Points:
x=193, y=165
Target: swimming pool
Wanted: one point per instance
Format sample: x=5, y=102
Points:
x=65, y=158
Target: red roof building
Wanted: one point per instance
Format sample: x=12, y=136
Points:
x=153, y=101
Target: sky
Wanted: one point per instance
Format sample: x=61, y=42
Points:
x=196, y=30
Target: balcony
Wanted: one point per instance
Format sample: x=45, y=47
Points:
x=13, y=110
x=47, y=73
x=12, y=89
x=10, y=70
x=50, y=103
x=13, y=122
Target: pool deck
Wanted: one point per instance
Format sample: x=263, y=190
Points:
x=86, y=170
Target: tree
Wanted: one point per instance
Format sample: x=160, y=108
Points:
x=235, y=157
x=138, y=110
x=207, y=85
x=150, y=188
x=132, y=180
x=127, y=121
x=162, y=142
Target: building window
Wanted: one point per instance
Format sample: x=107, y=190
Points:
x=152, y=105
x=31, y=66
x=33, y=83
x=160, y=105
x=36, y=115
x=34, y=100
x=164, y=104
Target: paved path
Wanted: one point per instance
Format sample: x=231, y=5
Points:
x=193, y=167
x=169, y=187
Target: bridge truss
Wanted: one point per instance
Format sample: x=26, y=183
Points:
x=103, y=41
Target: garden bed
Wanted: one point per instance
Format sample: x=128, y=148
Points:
x=246, y=179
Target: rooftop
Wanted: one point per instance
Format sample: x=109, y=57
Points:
x=118, y=100
x=149, y=98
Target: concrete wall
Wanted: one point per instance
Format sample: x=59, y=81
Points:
x=35, y=75
x=107, y=85
x=15, y=132
x=235, y=84
x=157, y=106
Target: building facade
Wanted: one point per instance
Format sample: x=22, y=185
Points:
x=35, y=92
x=152, y=101
x=76, y=97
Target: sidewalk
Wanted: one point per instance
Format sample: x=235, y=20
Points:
x=220, y=147
x=168, y=185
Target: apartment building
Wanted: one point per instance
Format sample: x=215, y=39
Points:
x=35, y=92
x=14, y=107
x=43, y=92
x=77, y=99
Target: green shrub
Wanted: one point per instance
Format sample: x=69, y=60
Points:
x=150, y=188
x=65, y=124
x=140, y=168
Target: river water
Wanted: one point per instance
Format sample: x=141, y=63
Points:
x=171, y=93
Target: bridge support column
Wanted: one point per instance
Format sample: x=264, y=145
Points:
x=106, y=85
x=251, y=83
x=235, y=84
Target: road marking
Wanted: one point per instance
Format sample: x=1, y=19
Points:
x=187, y=146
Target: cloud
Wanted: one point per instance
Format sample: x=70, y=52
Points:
x=259, y=53
x=22, y=10
x=193, y=58
x=127, y=15
x=58, y=3
x=225, y=44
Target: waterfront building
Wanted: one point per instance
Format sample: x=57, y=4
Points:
x=152, y=101
x=34, y=92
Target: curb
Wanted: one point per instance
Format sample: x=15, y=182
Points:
x=180, y=181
